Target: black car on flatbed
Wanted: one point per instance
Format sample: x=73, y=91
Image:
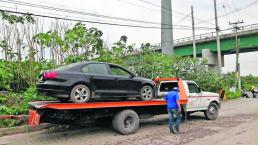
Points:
x=80, y=82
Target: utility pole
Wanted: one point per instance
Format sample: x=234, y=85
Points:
x=237, y=71
x=193, y=28
x=166, y=28
x=217, y=37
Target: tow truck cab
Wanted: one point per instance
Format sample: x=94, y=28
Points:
x=198, y=100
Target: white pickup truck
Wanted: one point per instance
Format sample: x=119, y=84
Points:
x=198, y=100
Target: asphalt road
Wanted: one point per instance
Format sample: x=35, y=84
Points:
x=237, y=125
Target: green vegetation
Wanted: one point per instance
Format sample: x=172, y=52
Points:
x=233, y=95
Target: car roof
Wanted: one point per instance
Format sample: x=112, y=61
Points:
x=82, y=63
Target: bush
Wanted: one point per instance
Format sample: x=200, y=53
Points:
x=17, y=103
x=233, y=95
x=18, y=76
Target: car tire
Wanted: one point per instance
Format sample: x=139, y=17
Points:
x=80, y=94
x=126, y=122
x=212, y=112
x=146, y=93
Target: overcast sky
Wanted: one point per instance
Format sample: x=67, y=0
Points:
x=144, y=11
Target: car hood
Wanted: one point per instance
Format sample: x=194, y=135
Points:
x=210, y=94
x=144, y=79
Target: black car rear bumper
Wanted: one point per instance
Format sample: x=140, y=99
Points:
x=53, y=91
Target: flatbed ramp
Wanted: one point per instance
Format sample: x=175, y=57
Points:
x=93, y=105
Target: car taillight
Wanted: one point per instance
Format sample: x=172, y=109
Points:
x=50, y=75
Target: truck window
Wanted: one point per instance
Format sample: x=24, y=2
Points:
x=193, y=88
x=167, y=86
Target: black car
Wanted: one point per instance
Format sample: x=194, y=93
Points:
x=80, y=82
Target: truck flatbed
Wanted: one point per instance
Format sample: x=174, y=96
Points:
x=93, y=105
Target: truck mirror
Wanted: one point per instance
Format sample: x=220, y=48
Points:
x=200, y=89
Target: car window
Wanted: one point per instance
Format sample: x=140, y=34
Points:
x=193, y=88
x=66, y=67
x=115, y=70
x=167, y=86
x=95, y=68
x=86, y=69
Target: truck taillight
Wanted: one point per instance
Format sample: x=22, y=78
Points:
x=50, y=75
x=156, y=83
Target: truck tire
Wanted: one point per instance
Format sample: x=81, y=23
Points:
x=212, y=112
x=126, y=122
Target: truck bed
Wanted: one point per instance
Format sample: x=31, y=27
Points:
x=93, y=105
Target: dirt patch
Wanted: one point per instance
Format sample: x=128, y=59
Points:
x=234, y=119
x=191, y=130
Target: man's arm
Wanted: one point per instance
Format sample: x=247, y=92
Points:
x=178, y=102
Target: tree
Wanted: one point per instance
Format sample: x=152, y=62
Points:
x=77, y=43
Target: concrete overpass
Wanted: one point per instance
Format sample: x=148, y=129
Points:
x=206, y=43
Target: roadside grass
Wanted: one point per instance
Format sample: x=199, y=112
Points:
x=17, y=104
x=233, y=95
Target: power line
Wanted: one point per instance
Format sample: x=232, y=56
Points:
x=235, y=10
x=75, y=12
x=181, y=20
x=96, y=22
x=130, y=3
x=89, y=14
x=51, y=14
x=82, y=13
x=180, y=13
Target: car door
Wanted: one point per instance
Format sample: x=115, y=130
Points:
x=100, y=80
x=126, y=84
x=195, y=96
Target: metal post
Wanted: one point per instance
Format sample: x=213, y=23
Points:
x=166, y=28
x=237, y=72
x=218, y=39
x=239, y=78
x=237, y=57
x=193, y=28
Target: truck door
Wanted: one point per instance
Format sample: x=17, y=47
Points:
x=195, y=96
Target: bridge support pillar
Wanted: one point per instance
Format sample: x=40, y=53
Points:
x=212, y=59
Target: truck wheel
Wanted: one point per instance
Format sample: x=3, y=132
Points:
x=212, y=112
x=126, y=122
x=146, y=93
x=80, y=94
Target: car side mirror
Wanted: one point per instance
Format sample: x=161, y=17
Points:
x=132, y=76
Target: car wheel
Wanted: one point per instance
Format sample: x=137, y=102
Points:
x=126, y=122
x=80, y=94
x=146, y=93
x=212, y=112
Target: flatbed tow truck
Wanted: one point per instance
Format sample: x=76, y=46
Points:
x=125, y=115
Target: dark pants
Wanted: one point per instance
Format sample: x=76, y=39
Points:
x=254, y=94
x=174, y=119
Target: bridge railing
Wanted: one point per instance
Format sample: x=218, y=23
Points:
x=211, y=34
